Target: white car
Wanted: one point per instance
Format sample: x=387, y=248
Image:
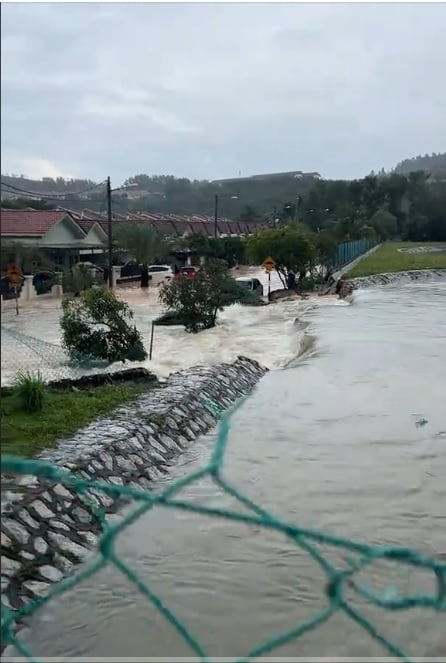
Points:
x=160, y=273
x=251, y=284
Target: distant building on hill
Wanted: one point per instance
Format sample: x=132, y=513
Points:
x=296, y=174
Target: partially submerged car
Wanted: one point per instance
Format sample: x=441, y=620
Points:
x=250, y=283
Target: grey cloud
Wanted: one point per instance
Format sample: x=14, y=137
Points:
x=208, y=90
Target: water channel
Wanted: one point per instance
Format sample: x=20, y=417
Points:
x=330, y=440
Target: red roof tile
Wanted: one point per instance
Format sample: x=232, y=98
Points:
x=23, y=223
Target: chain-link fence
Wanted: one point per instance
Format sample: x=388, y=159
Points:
x=21, y=353
x=342, y=583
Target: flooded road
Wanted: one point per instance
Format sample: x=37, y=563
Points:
x=332, y=441
x=263, y=333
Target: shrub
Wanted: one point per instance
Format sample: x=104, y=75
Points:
x=234, y=293
x=310, y=283
x=198, y=300
x=79, y=278
x=97, y=325
x=30, y=390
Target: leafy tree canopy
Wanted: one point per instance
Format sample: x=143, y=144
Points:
x=292, y=247
x=145, y=245
x=197, y=301
x=98, y=325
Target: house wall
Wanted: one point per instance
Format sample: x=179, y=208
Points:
x=62, y=234
x=95, y=237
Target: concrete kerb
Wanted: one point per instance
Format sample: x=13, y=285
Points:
x=346, y=268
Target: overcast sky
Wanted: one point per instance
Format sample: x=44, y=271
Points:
x=212, y=90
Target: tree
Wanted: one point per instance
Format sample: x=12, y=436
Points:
x=26, y=203
x=97, y=325
x=384, y=223
x=196, y=302
x=292, y=247
x=145, y=244
x=79, y=278
x=229, y=249
x=325, y=250
x=199, y=243
x=249, y=213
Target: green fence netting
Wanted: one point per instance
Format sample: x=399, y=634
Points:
x=358, y=555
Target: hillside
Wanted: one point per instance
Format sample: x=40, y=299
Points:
x=434, y=164
x=165, y=193
x=257, y=196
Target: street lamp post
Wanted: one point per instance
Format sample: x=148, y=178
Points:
x=110, y=235
x=110, y=227
x=216, y=199
x=216, y=216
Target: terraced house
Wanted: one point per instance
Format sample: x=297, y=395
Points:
x=56, y=234
x=65, y=237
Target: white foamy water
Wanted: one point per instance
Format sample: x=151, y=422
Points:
x=266, y=333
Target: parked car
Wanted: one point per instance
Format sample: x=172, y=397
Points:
x=88, y=265
x=187, y=272
x=160, y=273
x=251, y=284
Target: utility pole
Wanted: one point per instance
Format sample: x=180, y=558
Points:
x=110, y=235
x=216, y=216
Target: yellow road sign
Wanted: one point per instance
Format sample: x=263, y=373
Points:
x=14, y=275
x=269, y=264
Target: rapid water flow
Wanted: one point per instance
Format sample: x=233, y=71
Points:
x=330, y=440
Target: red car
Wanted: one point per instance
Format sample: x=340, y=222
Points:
x=187, y=273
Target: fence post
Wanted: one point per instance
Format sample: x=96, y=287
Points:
x=151, y=340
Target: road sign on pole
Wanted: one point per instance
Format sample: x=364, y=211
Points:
x=15, y=277
x=14, y=274
x=269, y=264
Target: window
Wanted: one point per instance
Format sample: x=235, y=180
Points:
x=158, y=268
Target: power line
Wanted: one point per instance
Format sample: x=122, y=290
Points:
x=61, y=196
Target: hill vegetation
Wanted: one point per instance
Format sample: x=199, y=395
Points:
x=433, y=164
x=407, y=203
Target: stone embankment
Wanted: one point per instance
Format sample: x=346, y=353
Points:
x=396, y=278
x=344, y=288
x=48, y=527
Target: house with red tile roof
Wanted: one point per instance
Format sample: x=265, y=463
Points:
x=56, y=233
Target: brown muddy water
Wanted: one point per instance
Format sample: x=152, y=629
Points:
x=330, y=440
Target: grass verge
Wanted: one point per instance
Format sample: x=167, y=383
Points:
x=26, y=434
x=387, y=258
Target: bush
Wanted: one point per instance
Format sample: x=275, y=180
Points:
x=97, y=326
x=197, y=301
x=310, y=283
x=30, y=390
x=234, y=293
x=80, y=278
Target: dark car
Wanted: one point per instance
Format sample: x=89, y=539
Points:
x=187, y=272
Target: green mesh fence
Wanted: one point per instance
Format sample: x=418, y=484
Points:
x=358, y=555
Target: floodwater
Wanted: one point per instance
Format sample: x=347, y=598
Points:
x=32, y=339
x=350, y=439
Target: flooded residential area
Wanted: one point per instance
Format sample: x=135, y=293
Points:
x=223, y=332
x=331, y=440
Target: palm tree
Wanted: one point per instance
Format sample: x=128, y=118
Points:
x=145, y=244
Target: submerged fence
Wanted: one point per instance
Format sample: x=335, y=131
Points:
x=348, y=251
x=341, y=583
